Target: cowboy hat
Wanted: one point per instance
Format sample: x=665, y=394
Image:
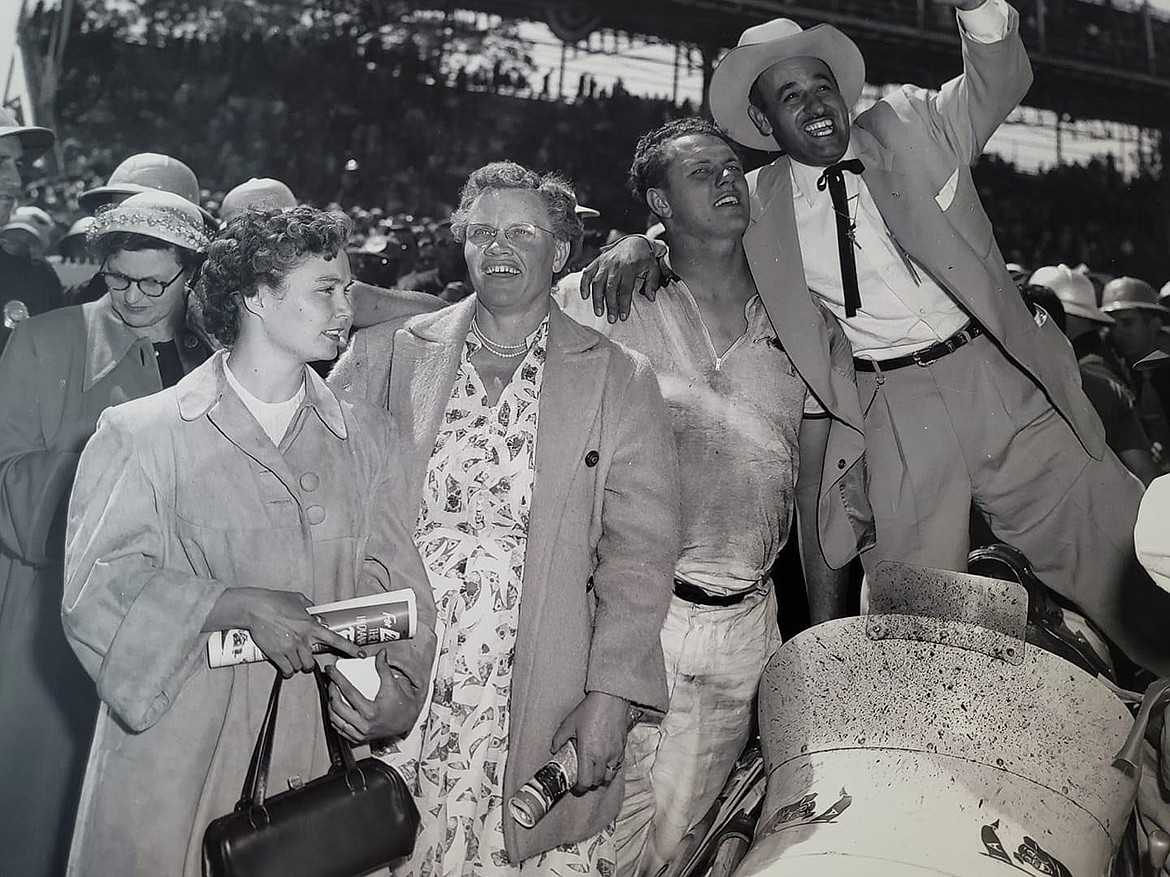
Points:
x=767, y=44
x=34, y=141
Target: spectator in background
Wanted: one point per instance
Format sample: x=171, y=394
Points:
x=1067, y=297
x=1151, y=536
x=440, y=264
x=76, y=268
x=26, y=236
x=256, y=192
x=73, y=246
x=27, y=287
x=1136, y=333
x=58, y=373
x=144, y=172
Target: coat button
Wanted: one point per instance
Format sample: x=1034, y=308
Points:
x=310, y=481
x=591, y=459
x=841, y=464
x=190, y=342
x=315, y=514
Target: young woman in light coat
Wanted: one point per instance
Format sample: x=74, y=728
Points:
x=234, y=500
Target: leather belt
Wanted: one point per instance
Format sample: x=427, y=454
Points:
x=926, y=355
x=694, y=594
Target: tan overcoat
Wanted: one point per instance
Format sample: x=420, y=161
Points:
x=179, y=496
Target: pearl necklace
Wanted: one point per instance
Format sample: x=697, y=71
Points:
x=504, y=351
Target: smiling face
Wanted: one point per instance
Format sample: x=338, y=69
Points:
x=802, y=110
x=704, y=191
x=513, y=276
x=307, y=318
x=140, y=311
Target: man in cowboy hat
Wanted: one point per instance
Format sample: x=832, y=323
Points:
x=960, y=397
x=26, y=288
x=1075, y=310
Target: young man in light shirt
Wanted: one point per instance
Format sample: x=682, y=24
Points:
x=751, y=442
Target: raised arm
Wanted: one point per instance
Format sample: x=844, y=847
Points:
x=996, y=75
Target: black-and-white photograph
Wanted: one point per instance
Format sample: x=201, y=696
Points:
x=538, y=438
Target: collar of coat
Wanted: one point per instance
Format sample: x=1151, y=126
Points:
x=201, y=391
x=451, y=325
x=107, y=340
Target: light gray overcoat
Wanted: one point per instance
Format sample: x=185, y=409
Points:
x=179, y=496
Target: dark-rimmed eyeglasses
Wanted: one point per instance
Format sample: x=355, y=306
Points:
x=148, y=286
x=519, y=233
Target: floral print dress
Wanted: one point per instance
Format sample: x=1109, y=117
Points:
x=472, y=533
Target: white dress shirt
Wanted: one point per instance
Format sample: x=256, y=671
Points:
x=900, y=312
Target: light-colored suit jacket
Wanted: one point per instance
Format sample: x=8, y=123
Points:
x=603, y=537
x=917, y=148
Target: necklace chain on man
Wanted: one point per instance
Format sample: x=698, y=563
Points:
x=504, y=351
x=852, y=220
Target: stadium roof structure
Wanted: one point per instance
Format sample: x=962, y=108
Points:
x=1093, y=60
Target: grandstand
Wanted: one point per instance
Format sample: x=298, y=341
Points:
x=1093, y=60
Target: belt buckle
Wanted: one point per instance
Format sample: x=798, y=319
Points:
x=923, y=358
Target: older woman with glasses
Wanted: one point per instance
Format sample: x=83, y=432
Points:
x=58, y=372
x=543, y=470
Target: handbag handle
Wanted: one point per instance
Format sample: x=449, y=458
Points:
x=340, y=754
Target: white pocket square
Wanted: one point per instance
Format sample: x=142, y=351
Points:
x=947, y=193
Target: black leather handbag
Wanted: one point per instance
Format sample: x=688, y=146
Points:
x=358, y=817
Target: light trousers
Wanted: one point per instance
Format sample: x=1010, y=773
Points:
x=675, y=769
x=973, y=427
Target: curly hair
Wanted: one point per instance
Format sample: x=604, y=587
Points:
x=106, y=245
x=554, y=189
x=651, y=157
x=261, y=246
